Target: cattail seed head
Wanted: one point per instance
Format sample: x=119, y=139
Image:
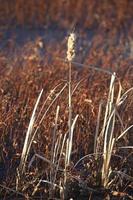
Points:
x=71, y=47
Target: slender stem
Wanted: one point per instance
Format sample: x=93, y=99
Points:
x=70, y=100
x=67, y=160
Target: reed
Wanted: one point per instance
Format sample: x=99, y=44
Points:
x=70, y=57
x=28, y=138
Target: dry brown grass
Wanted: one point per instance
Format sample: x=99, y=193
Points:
x=19, y=91
x=66, y=13
x=23, y=77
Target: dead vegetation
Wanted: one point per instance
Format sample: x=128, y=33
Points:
x=19, y=91
x=66, y=127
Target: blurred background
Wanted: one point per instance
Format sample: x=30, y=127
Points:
x=64, y=13
x=104, y=28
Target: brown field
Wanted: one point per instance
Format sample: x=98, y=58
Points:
x=66, y=13
x=105, y=42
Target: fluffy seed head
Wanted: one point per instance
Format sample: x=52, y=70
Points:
x=71, y=47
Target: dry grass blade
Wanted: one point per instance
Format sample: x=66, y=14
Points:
x=61, y=152
x=41, y=157
x=28, y=137
x=119, y=102
x=53, y=171
x=97, y=128
x=124, y=132
x=48, y=97
x=108, y=106
x=57, y=148
x=70, y=141
x=54, y=134
x=106, y=71
x=108, y=128
x=48, y=182
x=93, y=154
x=126, y=147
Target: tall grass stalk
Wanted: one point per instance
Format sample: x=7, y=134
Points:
x=28, y=137
x=70, y=113
x=44, y=115
x=108, y=128
x=107, y=134
x=70, y=56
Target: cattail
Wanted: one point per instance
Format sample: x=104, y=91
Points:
x=71, y=47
